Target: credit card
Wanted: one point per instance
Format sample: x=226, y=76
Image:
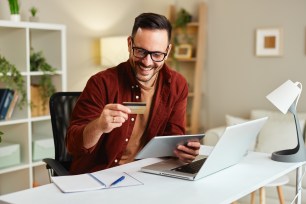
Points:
x=136, y=107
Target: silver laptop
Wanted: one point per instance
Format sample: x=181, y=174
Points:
x=230, y=149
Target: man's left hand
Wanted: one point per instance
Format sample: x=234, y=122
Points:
x=188, y=152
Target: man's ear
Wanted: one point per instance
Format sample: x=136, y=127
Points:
x=169, y=50
x=129, y=42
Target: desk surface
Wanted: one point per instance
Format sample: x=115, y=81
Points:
x=226, y=186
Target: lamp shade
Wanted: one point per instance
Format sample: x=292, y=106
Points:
x=285, y=95
x=113, y=50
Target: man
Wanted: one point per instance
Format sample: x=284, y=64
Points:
x=103, y=133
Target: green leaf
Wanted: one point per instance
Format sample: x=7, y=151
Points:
x=14, y=6
x=39, y=63
x=12, y=78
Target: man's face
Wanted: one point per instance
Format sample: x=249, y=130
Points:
x=145, y=41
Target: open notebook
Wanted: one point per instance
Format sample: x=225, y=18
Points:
x=93, y=181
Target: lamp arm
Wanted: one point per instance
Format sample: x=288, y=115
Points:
x=292, y=109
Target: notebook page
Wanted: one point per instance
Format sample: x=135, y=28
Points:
x=77, y=183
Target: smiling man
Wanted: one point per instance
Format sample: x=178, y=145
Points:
x=104, y=133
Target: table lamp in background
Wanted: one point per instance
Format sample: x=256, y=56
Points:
x=286, y=98
x=114, y=50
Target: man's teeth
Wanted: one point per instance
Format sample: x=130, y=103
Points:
x=146, y=68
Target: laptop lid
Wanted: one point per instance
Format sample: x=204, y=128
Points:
x=230, y=149
x=163, y=146
x=232, y=146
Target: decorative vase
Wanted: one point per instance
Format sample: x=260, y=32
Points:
x=15, y=17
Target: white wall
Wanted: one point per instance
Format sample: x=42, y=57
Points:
x=236, y=80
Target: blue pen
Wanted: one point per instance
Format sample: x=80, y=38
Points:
x=117, y=181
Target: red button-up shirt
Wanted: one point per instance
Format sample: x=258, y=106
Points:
x=117, y=85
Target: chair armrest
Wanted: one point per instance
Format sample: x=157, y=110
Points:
x=58, y=168
x=213, y=135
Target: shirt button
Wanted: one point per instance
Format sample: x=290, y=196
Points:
x=132, y=87
x=132, y=119
x=127, y=139
x=116, y=160
x=137, y=97
x=137, y=86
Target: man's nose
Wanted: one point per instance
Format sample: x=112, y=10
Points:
x=147, y=60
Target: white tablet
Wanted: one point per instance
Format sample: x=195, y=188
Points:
x=163, y=146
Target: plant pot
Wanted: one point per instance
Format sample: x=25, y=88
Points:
x=38, y=107
x=34, y=19
x=15, y=17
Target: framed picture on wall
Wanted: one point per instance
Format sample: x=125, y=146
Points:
x=269, y=42
x=183, y=51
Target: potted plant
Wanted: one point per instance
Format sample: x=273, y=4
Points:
x=33, y=11
x=180, y=38
x=182, y=19
x=46, y=88
x=12, y=79
x=14, y=8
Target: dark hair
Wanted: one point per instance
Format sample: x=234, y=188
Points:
x=152, y=21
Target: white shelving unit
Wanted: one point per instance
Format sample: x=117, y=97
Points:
x=16, y=39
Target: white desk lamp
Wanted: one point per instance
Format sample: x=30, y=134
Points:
x=286, y=98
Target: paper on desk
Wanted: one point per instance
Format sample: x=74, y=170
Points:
x=93, y=181
x=109, y=177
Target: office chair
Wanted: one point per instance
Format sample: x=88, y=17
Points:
x=61, y=105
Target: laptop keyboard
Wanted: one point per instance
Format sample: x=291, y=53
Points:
x=191, y=168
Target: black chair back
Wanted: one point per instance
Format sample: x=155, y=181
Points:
x=61, y=105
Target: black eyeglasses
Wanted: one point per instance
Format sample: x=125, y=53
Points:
x=155, y=55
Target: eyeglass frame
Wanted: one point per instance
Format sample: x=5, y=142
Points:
x=147, y=52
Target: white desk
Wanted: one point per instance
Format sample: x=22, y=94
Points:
x=256, y=170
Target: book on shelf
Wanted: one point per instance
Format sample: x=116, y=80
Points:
x=6, y=100
x=94, y=181
x=3, y=94
x=12, y=106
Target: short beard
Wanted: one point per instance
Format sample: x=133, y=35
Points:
x=134, y=64
x=146, y=80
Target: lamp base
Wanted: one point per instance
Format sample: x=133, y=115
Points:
x=290, y=155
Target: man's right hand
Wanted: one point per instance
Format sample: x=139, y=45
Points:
x=112, y=116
